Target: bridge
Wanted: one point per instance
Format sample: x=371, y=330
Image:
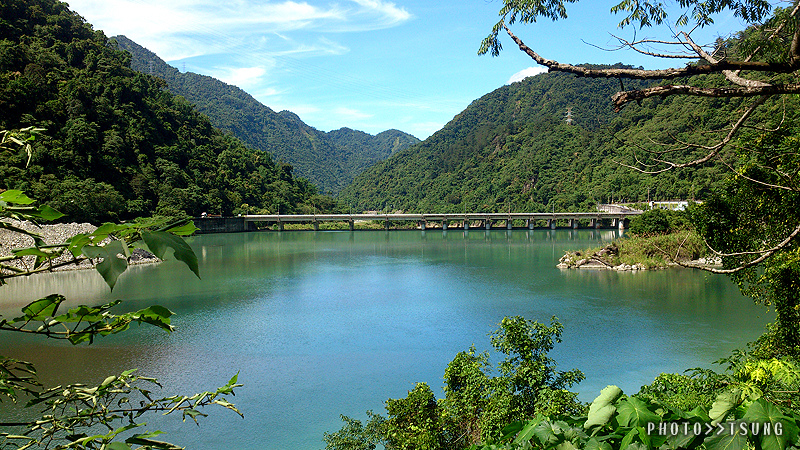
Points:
x=466, y=221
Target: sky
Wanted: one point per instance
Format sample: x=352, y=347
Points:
x=369, y=65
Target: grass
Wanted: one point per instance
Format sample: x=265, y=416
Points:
x=650, y=252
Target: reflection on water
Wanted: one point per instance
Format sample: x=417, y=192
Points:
x=327, y=323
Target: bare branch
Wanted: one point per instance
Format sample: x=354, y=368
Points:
x=730, y=75
x=664, y=73
x=764, y=254
x=621, y=98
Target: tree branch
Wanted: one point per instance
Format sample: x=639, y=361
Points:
x=621, y=98
x=671, y=73
x=764, y=255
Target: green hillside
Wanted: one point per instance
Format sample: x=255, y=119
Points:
x=116, y=145
x=329, y=160
x=513, y=149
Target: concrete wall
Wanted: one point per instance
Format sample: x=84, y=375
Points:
x=208, y=225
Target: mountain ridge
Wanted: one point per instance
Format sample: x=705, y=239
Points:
x=512, y=149
x=323, y=158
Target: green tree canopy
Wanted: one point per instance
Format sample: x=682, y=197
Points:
x=753, y=219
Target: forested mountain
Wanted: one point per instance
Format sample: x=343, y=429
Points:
x=513, y=149
x=329, y=160
x=116, y=144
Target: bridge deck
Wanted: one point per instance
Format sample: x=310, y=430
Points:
x=437, y=217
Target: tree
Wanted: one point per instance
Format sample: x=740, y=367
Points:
x=479, y=400
x=753, y=222
x=79, y=416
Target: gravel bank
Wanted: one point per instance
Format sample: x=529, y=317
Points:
x=55, y=234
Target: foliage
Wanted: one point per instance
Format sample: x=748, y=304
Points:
x=116, y=145
x=616, y=421
x=704, y=409
x=512, y=150
x=654, y=251
x=750, y=130
x=728, y=221
x=479, y=401
x=109, y=415
x=329, y=160
x=655, y=221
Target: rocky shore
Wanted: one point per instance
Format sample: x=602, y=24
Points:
x=55, y=234
x=605, y=257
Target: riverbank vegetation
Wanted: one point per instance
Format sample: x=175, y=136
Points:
x=657, y=239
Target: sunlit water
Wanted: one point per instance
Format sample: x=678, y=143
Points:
x=325, y=323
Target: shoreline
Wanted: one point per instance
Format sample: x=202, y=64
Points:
x=56, y=234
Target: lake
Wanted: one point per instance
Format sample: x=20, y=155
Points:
x=325, y=323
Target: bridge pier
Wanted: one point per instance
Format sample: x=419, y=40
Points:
x=573, y=220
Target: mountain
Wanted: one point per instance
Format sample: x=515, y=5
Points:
x=514, y=149
x=116, y=145
x=329, y=160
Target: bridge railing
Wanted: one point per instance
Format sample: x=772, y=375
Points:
x=595, y=219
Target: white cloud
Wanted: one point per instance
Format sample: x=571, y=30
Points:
x=525, y=73
x=350, y=113
x=243, y=77
x=182, y=28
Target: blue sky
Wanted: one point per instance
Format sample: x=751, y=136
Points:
x=369, y=65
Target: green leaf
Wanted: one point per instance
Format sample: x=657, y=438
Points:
x=155, y=315
x=159, y=241
x=41, y=309
x=76, y=243
x=602, y=408
x=724, y=404
x=633, y=412
x=726, y=441
x=186, y=229
x=626, y=441
x=116, y=446
x=763, y=412
x=547, y=433
x=526, y=433
x=112, y=266
x=15, y=196
x=594, y=444
x=46, y=213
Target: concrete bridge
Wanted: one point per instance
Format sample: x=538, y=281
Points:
x=466, y=221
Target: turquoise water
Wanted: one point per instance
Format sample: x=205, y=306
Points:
x=325, y=323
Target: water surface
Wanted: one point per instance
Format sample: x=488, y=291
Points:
x=325, y=323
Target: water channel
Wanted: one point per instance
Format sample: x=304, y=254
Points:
x=325, y=323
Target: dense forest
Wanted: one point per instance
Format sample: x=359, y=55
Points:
x=329, y=160
x=515, y=149
x=116, y=144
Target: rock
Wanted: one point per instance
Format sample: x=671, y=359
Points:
x=55, y=234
